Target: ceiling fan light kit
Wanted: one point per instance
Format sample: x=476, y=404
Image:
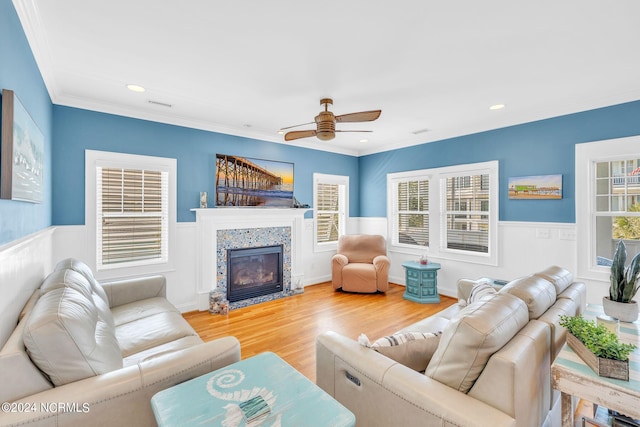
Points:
x=326, y=123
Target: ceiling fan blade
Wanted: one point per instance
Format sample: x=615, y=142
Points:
x=363, y=116
x=297, y=134
x=295, y=126
x=354, y=130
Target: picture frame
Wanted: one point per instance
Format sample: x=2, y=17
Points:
x=536, y=187
x=242, y=181
x=22, y=155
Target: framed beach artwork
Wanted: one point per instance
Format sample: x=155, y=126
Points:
x=21, y=170
x=535, y=187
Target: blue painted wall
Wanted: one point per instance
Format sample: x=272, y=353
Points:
x=19, y=72
x=538, y=148
x=75, y=130
x=544, y=147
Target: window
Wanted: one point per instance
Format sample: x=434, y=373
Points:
x=330, y=197
x=411, y=225
x=607, y=203
x=132, y=220
x=617, y=207
x=130, y=206
x=449, y=212
x=466, y=213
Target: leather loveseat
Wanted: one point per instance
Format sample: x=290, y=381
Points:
x=491, y=366
x=85, y=353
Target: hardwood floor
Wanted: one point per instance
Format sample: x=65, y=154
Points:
x=289, y=326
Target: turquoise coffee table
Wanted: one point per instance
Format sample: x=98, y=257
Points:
x=213, y=399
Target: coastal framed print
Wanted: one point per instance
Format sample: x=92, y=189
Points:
x=535, y=187
x=21, y=168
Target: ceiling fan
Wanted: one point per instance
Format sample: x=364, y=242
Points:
x=326, y=123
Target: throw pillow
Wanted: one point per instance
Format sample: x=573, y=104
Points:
x=482, y=291
x=412, y=349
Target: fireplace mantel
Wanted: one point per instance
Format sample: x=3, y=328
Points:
x=210, y=220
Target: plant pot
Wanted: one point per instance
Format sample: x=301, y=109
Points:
x=623, y=311
x=603, y=367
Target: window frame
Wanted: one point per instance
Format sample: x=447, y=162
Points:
x=437, y=211
x=343, y=209
x=104, y=159
x=586, y=155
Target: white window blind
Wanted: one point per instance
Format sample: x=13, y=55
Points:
x=132, y=216
x=331, y=209
x=446, y=213
x=328, y=212
x=411, y=219
x=466, y=215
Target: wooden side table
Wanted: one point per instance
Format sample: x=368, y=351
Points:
x=421, y=282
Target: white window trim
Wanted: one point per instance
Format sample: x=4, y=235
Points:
x=437, y=207
x=586, y=155
x=110, y=159
x=319, y=178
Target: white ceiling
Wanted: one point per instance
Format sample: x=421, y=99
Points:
x=248, y=68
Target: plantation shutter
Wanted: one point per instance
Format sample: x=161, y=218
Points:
x=328, y=221
x=467, y=213
x=132, y=215
x=412, y=213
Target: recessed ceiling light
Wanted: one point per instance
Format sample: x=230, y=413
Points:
x=364, y=140
x=135, y=88
x=280, y=132
x=497, y=107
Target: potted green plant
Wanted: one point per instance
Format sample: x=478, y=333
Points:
x=623, y=287
x=600, y=348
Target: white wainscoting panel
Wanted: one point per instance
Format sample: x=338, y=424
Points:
x=525, y=248
x=24, y=263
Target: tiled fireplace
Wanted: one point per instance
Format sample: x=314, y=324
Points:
x=229, y=232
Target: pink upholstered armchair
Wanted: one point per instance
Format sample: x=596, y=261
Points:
x=361, y=264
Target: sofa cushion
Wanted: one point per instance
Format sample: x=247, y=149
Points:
x=82, y=268
x=412, y=349
x=558, y=277
x=72, y=279
x=538, y=293
x=483, y=290
x=137, y=310
x=66, y=279
x=472, y=336
x=152, y=331
x=66, y=338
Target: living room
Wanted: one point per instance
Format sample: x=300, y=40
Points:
x=527, y=235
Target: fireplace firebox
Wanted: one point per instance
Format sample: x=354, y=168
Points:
x=253, y=272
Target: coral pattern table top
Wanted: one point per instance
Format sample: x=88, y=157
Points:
x=214, y=399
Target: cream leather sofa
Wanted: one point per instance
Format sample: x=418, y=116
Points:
x=85, y=353
x=491, y=366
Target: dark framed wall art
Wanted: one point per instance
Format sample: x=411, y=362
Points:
x=22, y=157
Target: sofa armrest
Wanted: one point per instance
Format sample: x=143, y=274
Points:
x=380, y=391
x=123, y=397
x=124, y=291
